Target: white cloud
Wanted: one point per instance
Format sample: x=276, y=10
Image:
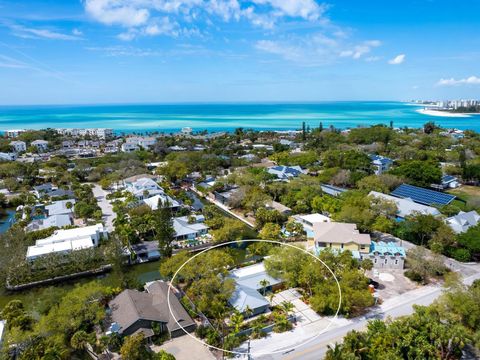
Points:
x=286, y=51
x=114, y=12
x=138, y=17
x=77, y=32
x=8, y=62
x=316, y=49
x=373, y=58
x=359, y=50
x=397, y=60
x=472, y=80
x=306, y=9
x=33, y=33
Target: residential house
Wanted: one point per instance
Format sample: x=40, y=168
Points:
x=18, y=146
x=14, y=133
x=449, y=182
x=146, y=251
x=42, y=190
x=385, y=255
x=251, y=284
x=161, y=198
x=224, y=197
x=285, y=172
x=189, y=227
x=143, y=187
x=381, y=164
x=129, y=147
x=60, y=207
x=133, y=312
x=186, y=131
x=65, y=241
x=422, y=196
x=177, y=148
x=340, y=236
x=51, y=191
x=7, y=156
x=332, y=190
x=58, y=221
x=282, y=209
x=41, y=145
x=308, y=222
x=463, y=221
x=406, y=207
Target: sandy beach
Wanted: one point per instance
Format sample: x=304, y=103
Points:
x=432, y=112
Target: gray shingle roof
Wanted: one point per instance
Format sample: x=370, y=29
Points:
x=131, y=306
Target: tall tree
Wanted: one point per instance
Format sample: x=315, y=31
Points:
x=165, y=233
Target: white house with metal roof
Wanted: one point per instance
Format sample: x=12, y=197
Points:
x=285, y=172
x=252, y=282
x=405, y=206
x=66, y=241
x=18, y=146
x=189, y=227
x=463, y=221
x=380, y=163
x=41, y=145
x=60, y=207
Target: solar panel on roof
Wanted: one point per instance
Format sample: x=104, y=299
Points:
x=422, y=196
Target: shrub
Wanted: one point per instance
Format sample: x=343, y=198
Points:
x=414, y=276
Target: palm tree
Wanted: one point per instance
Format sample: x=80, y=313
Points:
x=236, y=320
x=248, y=311
x=287, y=307
x=264, y=284
x=79, y=340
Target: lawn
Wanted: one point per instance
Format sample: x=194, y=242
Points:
x=470, y=194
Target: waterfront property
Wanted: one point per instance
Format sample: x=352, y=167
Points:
x=66, y=241
x=58, y=221
x=251, y=285
x=60, y=207
x=146, y=251
x=406, y=207
x=133, y=312
x=51, y=191
x=463, y=221
x=189, y=227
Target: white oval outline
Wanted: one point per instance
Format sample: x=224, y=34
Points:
x=257, y=353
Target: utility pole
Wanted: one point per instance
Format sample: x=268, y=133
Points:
x=248, y=351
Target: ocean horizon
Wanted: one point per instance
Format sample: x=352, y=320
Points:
x=167, y=118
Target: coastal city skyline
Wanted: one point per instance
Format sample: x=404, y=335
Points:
x=100, y=51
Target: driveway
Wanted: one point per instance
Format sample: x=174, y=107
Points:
x=303, y=312
x=107, y=209
x=185, y=348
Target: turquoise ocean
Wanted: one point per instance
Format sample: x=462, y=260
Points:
x=169, y=118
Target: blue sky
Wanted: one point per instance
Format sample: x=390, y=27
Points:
x=114, y=51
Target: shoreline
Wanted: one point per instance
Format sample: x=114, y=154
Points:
x=440, y=113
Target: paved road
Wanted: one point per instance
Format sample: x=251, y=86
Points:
x=107, y=209
x=403, y=305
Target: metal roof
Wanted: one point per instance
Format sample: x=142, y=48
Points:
x=422, y=196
